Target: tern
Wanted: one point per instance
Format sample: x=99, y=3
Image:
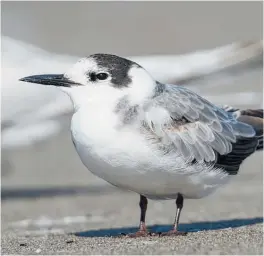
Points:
x=159, y=140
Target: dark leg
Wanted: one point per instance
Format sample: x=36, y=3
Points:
x=143, y=203
x=174, y=231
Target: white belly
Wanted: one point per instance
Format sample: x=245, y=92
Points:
x=126, y=160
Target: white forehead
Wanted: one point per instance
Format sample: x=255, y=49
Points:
x=80, y=70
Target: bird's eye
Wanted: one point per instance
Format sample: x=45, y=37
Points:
x=101, y=76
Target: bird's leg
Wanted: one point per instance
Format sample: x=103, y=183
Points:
x=143, y=203
x=174, y=231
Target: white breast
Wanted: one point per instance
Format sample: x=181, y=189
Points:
x=124, y=158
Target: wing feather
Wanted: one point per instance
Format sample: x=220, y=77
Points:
x=196, y=128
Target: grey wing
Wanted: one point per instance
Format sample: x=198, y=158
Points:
x=192, y=126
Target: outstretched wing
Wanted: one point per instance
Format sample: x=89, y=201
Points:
x=195, y=128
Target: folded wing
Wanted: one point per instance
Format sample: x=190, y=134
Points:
x=190, y=125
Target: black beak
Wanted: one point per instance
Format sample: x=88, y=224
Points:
x=56, y=80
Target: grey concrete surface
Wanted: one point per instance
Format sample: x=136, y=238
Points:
x=49, y=199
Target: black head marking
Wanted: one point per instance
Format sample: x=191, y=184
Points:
x=117, y=67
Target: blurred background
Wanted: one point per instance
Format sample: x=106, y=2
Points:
x=45, y=180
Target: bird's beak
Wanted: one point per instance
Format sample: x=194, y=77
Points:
x=56, y=80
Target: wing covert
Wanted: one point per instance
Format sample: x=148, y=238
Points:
x=196, y=128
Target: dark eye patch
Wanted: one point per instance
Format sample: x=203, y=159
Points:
x=92, y=77
x=116, y=67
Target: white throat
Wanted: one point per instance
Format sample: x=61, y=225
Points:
x=97, y=97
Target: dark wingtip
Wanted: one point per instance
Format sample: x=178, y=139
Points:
x=253, y=112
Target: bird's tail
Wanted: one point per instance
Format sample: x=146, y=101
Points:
x=253, y=117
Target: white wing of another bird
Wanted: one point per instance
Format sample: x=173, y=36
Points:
x=31, y=113
x=228, y=60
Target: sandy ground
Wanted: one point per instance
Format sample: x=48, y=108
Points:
x=52, y=205
x=231, y=241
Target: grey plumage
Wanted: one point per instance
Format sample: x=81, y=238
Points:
x=200, y=131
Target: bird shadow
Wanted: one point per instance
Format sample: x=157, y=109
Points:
x=188, y=227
